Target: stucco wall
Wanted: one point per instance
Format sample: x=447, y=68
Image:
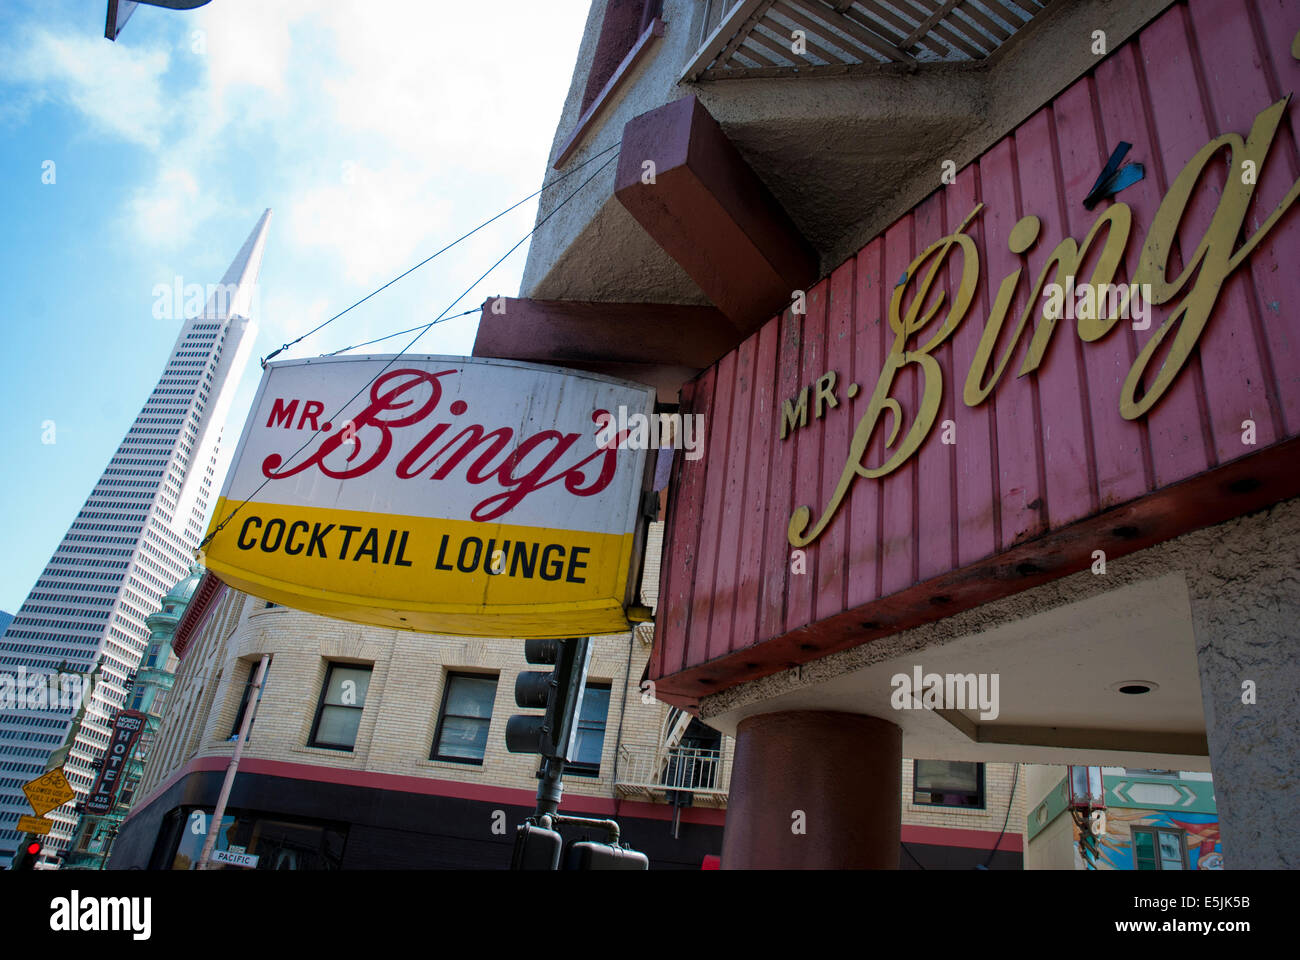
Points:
x=1246, y=611
x=845, y=156
x=1053, y=848
x=620, y=248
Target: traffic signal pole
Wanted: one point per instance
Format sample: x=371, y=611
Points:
x=568, y=683
x=538, y=845
x=551, y=788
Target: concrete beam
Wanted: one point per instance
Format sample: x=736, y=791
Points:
x=659, y=344
x=711, y=213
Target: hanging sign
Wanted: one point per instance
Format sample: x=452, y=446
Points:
x=442, y=494
x=127, y=727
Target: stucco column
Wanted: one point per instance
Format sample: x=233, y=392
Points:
x=814, y=789
x=1246, y=614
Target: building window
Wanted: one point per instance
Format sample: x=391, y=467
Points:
x=1157, y=848
x=589, y=742
x=243, y=700
x=948, y=783
x=342, y=700
x=465, y=717
x=624, y=22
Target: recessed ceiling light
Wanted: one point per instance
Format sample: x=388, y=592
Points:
x=1134, y=687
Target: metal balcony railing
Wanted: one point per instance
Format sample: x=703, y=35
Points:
x=652, y=770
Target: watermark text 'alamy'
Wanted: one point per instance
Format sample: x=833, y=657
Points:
x=640, y=431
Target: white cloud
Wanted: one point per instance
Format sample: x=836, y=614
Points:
x=379, y=133
x=118, y=90
x=248, y=45
x=171, y=205
x=370, y=220
x=283, y=317
x=464, y=84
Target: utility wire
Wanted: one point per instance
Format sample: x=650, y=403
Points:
x=423, y=326
x=466, y=236
x=357, y=346
x=423, y=330
x=1010, y=803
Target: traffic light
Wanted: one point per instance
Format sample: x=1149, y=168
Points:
x=559, y=692
x=27, y=855
x=536, y=848
x=589, y=855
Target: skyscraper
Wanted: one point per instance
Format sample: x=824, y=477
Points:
x=134, y=538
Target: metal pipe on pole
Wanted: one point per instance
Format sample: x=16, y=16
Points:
x=254, y=698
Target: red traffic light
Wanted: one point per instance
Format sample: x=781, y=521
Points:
x=33, y=848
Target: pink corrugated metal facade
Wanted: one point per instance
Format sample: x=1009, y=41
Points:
x=1045, y=451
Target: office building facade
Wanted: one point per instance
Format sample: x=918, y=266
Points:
x=134, y=538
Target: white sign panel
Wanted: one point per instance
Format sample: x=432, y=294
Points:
x=444, y=494
x=234, y=859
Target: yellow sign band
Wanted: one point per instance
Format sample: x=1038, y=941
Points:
x=366, y=567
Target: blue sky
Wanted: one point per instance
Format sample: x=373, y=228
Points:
x=377, y=130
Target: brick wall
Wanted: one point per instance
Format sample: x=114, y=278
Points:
x=402, y=705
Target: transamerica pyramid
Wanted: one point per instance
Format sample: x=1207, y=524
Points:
x=132, y=541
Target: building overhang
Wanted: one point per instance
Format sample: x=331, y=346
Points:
x=662, y=345
x=904, y=451
x=1057, y=666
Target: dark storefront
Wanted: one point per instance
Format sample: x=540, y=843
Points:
x=293, y=824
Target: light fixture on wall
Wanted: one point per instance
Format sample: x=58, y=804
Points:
x=1086, y=800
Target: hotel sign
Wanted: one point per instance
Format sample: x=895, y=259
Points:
x=440, y=494
x=127, y=727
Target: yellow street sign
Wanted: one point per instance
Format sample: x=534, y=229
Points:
x=48, y=791
x=39, y=825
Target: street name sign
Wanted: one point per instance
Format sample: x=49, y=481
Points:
x=37, y=825
x=234, y=859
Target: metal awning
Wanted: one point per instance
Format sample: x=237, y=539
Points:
x=797, y=38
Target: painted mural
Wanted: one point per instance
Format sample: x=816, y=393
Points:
x=1199, y=831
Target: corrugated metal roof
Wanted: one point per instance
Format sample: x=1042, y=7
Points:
x=824, y=37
